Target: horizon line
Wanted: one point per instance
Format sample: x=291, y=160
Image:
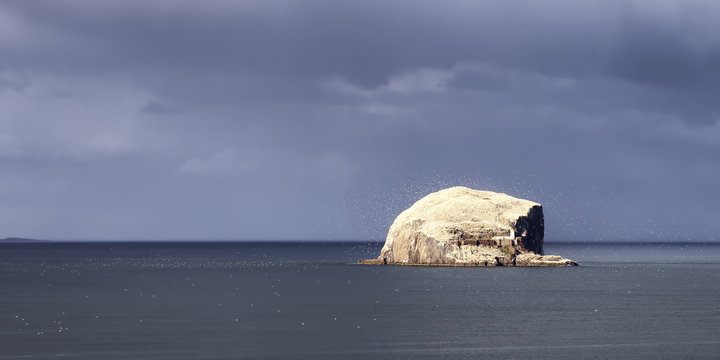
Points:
x=32, y=240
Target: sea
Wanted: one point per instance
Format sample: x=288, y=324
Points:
x=311, y=300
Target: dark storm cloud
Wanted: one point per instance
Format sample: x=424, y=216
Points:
x=324, y=38
x=320, y=119
x=244, y=45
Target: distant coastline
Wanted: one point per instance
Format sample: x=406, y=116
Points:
x=19, y=240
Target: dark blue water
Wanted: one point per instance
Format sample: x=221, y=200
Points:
x=310, y=301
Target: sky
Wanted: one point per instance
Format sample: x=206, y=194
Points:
x=323, y=120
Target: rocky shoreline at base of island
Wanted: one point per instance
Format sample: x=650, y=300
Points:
x=522, y=260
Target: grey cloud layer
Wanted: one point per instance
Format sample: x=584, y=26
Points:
x=286, y=119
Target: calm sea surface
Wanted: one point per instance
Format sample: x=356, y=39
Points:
x=310, y=301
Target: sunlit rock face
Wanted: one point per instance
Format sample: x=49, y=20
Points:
x=465, y=227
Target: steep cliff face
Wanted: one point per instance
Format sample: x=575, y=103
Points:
x=532, y=226
x=465, y=227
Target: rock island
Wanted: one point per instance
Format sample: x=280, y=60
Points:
x=460, y=226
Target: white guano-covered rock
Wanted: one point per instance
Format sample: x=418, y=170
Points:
x=465, y=227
